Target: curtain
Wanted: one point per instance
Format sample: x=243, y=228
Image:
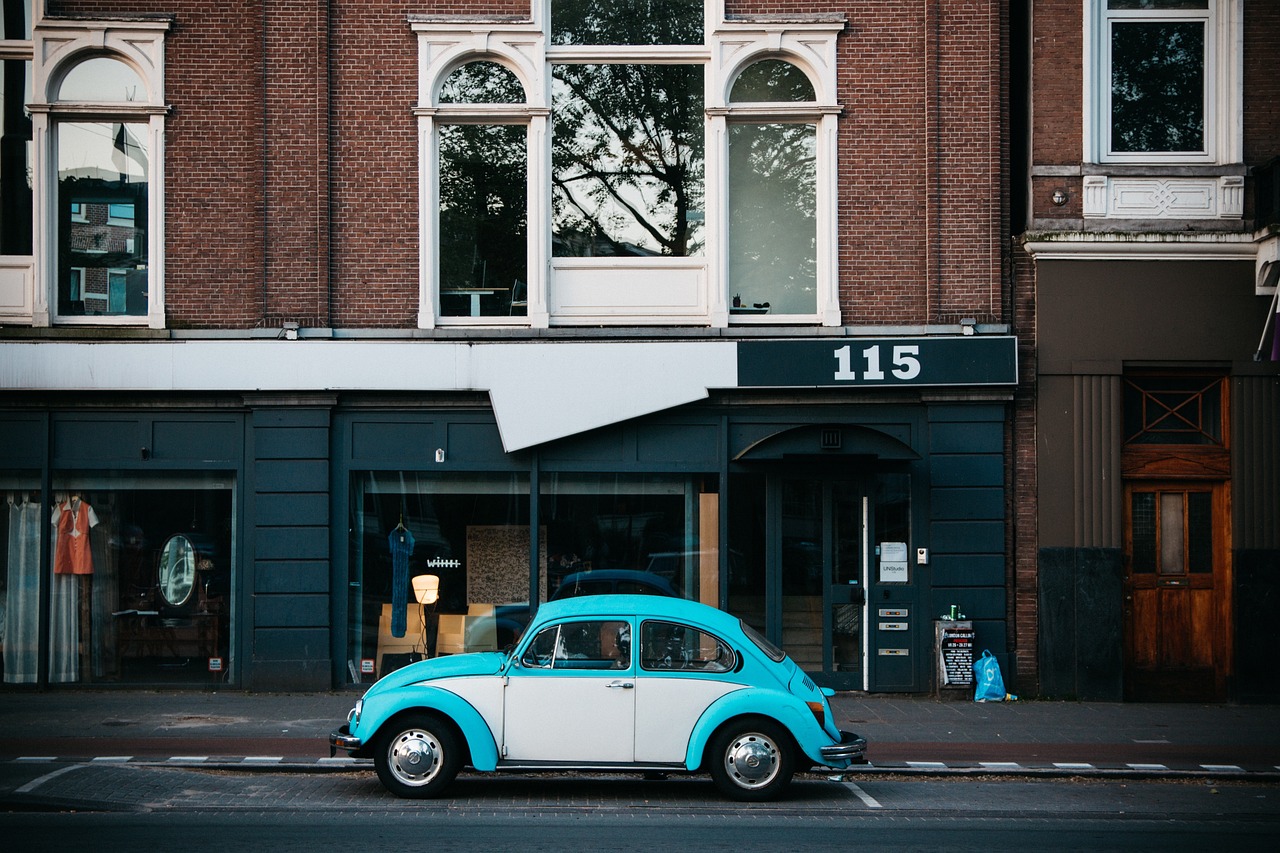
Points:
x=22, y=596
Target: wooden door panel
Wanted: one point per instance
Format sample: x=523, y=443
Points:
x=1143, y=636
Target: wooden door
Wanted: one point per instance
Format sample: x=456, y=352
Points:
x=1177, y=590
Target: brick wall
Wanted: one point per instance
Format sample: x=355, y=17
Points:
x=292, y=168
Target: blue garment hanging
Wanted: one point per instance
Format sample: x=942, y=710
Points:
x=401, y=543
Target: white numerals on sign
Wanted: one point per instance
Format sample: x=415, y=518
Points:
x=906, y=363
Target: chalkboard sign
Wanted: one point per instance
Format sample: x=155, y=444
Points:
x=955, y=653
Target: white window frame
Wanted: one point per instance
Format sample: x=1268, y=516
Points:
x=687, y=291
x=1223, y=80
x=59, y=46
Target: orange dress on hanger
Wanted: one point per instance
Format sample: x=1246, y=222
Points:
x=73, y=519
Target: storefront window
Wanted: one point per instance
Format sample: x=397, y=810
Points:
x=635, y=533
x=20, y=526
x=469, y=533
x=141, y=578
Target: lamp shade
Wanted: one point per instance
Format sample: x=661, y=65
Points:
x=426, y=589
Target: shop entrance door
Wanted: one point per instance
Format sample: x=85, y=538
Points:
x=820, y=551
x=1177, y=578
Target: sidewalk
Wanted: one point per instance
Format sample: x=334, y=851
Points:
x=905, y=733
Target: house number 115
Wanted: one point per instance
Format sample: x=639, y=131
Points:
x=906, y=365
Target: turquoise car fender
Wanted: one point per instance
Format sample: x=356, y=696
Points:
x=783, y=707
x=381, y=707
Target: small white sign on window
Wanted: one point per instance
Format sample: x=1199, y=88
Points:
x=893, y=562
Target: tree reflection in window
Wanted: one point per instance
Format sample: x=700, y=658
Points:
x=773, y=198
x=627, y=160
x=1157, y=86
x=483, y=199
x=651, y=22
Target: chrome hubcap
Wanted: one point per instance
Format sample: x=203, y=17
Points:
x=415, y=757
x=752, y=760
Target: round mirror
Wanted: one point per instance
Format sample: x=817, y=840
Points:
x=177, y=575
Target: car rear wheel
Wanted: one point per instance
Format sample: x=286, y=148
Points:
x=751, y=760
x=417, y=756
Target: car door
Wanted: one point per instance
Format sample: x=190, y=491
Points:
x=571, y=697
x=683, y=670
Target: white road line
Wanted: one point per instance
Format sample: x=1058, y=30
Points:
x=113, y=759
x=36, y=783
x=337, y=759
x=188, y=759
x=1147, y=767
x=262, y=759
x=1223, y=768
x=870, y=801
x=34, y=758
x=1066, y=765
x=931, y=765
x=1000, y=765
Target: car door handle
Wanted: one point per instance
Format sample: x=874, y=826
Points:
x=620, y=685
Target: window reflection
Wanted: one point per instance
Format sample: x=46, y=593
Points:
x=482, y=82
x=772, y=80
x=651, y=22
x=102, y=218
x=773, y=218
x=483, y=220
x=627, y=160
x=1157, y=86
x=102, y=79
x=15, y=157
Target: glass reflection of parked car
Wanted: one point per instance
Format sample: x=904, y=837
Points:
x=612, y=682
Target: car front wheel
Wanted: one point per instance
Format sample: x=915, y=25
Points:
x=417, y=756
x=751, y=760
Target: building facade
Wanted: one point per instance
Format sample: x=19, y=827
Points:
x=301, y=301
x=1149, y=248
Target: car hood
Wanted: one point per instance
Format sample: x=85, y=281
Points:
x=449, y=666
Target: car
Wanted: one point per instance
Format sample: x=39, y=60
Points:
x=641, y=683
x=606, y=581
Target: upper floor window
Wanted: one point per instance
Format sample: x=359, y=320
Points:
x=647, y=186
x=15, y=137
x=1165, y=79
x=103, y=176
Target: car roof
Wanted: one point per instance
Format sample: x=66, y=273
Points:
x=658, y=607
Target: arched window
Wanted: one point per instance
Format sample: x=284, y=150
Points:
x=482, y=229
x=103, y=171
x=772, y=196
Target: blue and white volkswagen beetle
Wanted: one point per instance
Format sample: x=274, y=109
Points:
x=605, y=682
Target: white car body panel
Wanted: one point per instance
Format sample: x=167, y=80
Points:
x=580, y=718
x=667, y=708
x=484, y=693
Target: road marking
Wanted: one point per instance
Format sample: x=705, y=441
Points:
x=262, y=759
x=1070, y=766
x=113, y=759
x=338, y=759
x=34, y=758
x=36, y=783
x=870, y=801
x=930, y=765
x=1223, y=768
x=1000, y=765
x=188, y=759
x=1147, y=767
x=1155, y=740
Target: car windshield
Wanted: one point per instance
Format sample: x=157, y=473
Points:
x=774, y=653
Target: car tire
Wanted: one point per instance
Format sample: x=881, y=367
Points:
x=751, y=760
x=417, y=756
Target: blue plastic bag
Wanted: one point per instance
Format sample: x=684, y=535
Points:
x=987, y=680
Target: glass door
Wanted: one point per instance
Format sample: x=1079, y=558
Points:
x=821, y=534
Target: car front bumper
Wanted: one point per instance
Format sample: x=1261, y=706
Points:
x=343, y=739
x=851, y=748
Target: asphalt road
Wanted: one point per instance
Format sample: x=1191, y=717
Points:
x=109, y=807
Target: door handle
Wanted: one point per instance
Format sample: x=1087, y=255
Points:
x=620, y=685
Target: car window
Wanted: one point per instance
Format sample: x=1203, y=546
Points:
x=603, y=644
x=670, y=646
x=774, y=653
